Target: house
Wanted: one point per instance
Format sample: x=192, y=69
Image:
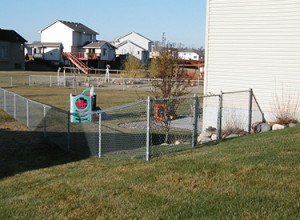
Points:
x=190, y=54
x=134, y=44
x=65, y=40
x=51, y=51
x=72, y=35
x=11, y=50
x=253, y=44
x=103, y=50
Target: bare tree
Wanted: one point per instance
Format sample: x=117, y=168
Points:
x=172, y=81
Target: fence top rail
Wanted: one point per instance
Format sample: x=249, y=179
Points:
x=38, y=103
x=233, y=92
x=118, y=107
x=171, y=98
x=92, y=69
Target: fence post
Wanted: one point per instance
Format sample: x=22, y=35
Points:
x=27, y=113
x=45, y=123
x=148, y=106
x=68, y=132
x=195, y=122
x=15, y=110
x=250, y=111
x=4, y=100
x=100, y=134
x=220, y=116
x=11, y=81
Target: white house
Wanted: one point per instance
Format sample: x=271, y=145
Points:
x=104, y=50
x=253, y=44
x=190, y=54
x=45, y=51
x=65, y=39
x=134, y=44
x=72, y=35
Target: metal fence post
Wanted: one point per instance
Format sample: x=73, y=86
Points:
x=15, y=107
x=195, y=122
x=68, y=132
x=45, y=123
x=250, y=111
x=11, y=81
x=148, y=129
x=220, y=116
x=100, y=134
x=27, y=113
x=4, y=100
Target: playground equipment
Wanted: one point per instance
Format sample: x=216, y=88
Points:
x=81, y=105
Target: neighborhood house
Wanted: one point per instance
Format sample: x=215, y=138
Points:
x=11, y=50
x=77, y=44
x=134, y=44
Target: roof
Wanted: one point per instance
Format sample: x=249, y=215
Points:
x=76, y=26
x=199, y=52
x=98, y=44
x=133, y=33
x=127, y=42
x=44, y=44
x=11, y=36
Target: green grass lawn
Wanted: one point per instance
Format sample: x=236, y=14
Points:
x=252, y=177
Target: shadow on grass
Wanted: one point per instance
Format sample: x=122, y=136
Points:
x=23, y=151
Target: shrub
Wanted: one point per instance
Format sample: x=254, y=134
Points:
x=286, y=107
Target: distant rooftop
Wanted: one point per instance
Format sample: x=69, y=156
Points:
x=76, y=26
x=11, y=36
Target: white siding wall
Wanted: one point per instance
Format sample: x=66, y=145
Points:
x=131, y=49
x=253, y=44
x=58, y=33
x=188, y=56
x=137, y=39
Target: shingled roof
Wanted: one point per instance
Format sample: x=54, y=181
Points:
x=11, y=36
x=76, y=26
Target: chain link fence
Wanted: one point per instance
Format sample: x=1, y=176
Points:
x=75, y=80
x=140, y=130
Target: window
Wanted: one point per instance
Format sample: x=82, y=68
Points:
x=104, y=51
x=3, y=52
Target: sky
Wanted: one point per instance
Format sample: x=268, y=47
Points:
x=181, y=21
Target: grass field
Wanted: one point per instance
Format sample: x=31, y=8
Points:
x=253, y=177
x=107, y=96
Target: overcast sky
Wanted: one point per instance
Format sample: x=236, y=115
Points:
x=182, y=21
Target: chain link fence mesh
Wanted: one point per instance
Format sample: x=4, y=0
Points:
x=138, y=130
x=123, y=131
x=172, y=124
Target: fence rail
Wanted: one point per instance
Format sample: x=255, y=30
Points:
x=139, y=130
x=75, y=80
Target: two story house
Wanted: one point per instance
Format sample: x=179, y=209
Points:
x=11, y=50
x=72, y=41
x=134, y=44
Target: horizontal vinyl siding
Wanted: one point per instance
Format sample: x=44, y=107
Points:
x=253, y=44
